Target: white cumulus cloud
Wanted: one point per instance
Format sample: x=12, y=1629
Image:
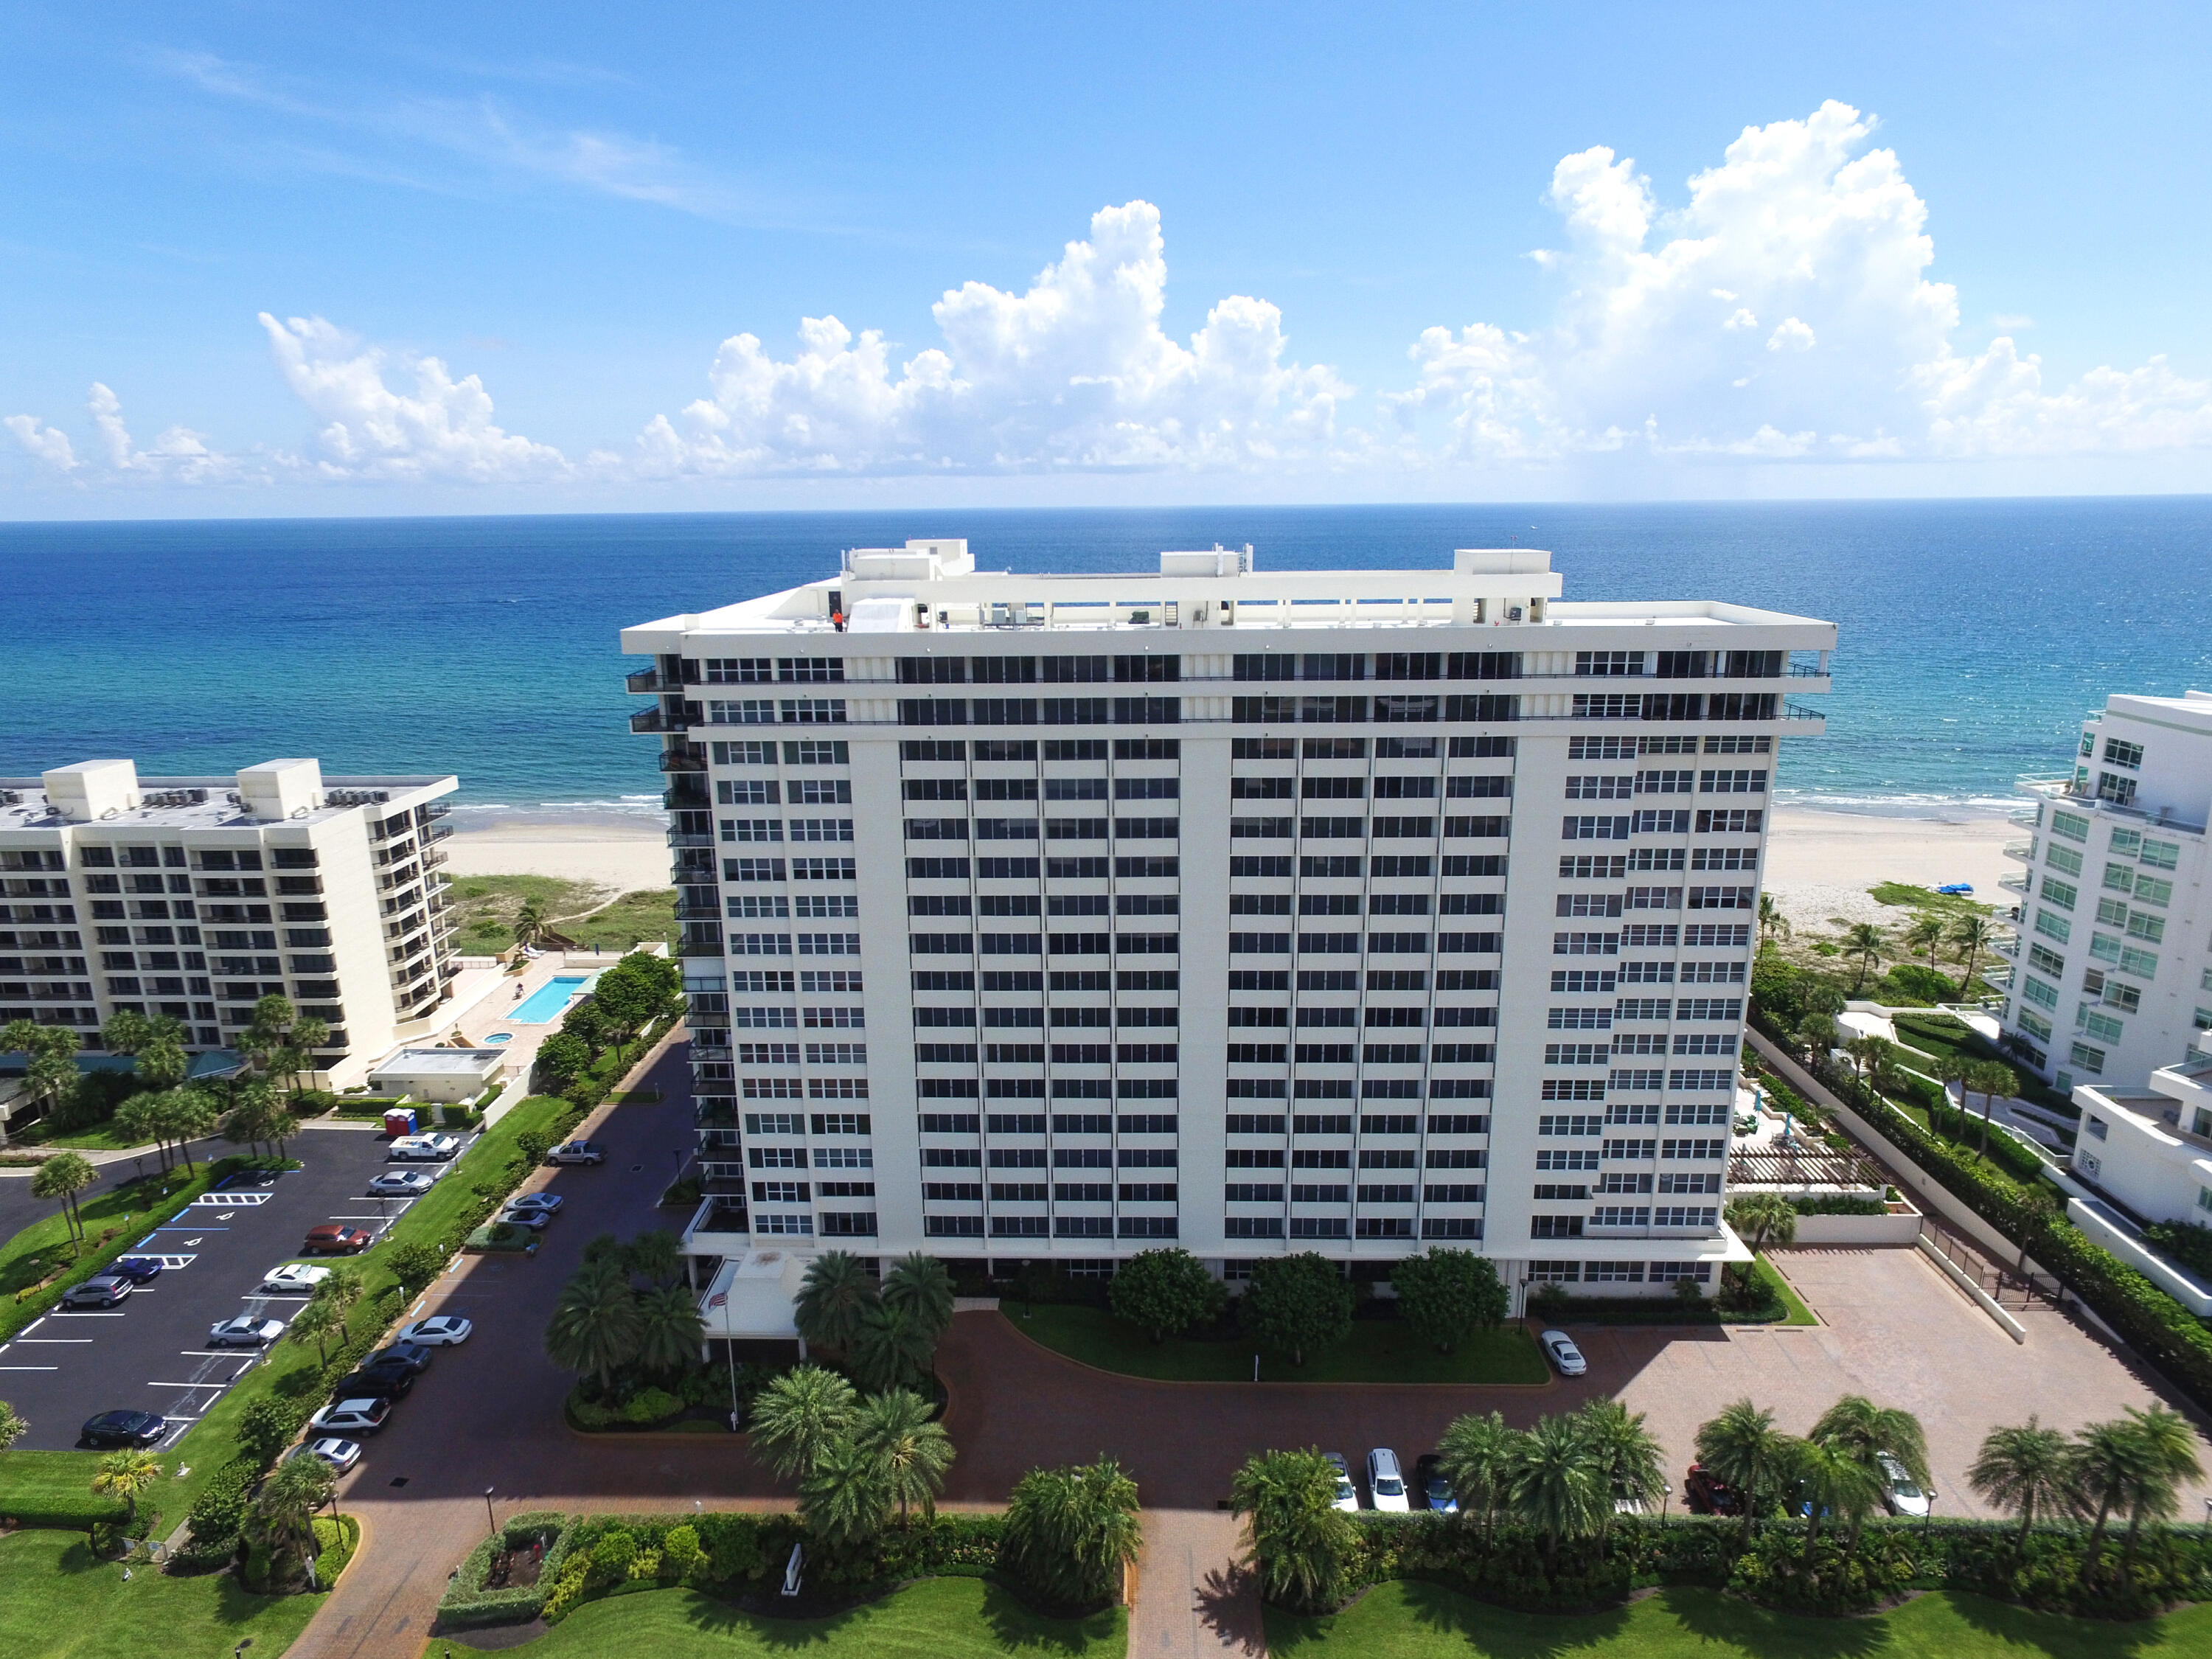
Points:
x=1654, y=336
x=1075, y=373
x=42, y=441
x=443, y=430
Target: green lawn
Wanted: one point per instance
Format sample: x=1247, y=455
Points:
x=56, y=1599
x=1421, y=1621
x=485, y=908
x=937, y=1619
x=101, y=1138
x=113, y=1221
x=1377, y=1351
x=1799, y=1313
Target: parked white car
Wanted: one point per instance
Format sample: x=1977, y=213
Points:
x=1560, y=1347
x=292, y=1278
x=421, y=1149
x=353, y=1416
x=1386, y=1481
x=1347, y=1495
x=401, y=1183
x=1900, y=1492
x=340, y=1455
x=245, y=1332
x=440, y=1331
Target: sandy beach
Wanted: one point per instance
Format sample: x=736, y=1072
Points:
x=1820, y=863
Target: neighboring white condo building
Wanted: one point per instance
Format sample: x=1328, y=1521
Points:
x=1354, y=911
x=195, y=897
x=2112, y=978
x=2151, y=1147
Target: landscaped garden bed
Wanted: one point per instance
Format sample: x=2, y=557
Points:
x=1383, y=1350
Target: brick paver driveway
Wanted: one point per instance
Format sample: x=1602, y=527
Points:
x=489, y=1412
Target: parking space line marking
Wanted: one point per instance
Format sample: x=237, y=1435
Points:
x=50, y=1338
x=218, y=1386
x=29, y=1367
x=74, y=1313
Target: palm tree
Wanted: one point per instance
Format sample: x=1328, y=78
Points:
x=1867, y=943
x=190, y=1115
x=1772, y=924
x=656, y=1256
x=844, y=1498
x=161, y=1061
x=1742, y=1450
x=1070, y=1532
x=1972, y=934
x=1948, y=1066
x=2165, y=1450
x=1624, y=1456
x=2108, y=1462
x=1863, y=1431
x=140, y=1118
x=1761, y=1220
x=1552, y=1482
x=798, y=1415
x=1298, y=1538
x=257, y=1117
x=1990, y=1079
x=63, y=1177
x=124, y=1032
x=53, y=1071
x=892, y=1349
x=2025, y=1468
x=921, y=1285
x=289, y=1497
x=829, y=1306
x=340, y=1290
x=671, y=1332
x=124, y=1475
x=1832, y=1481
x=314, y=1324
x=912, y=1452
x=1926, y=933
x=1476, y=1453
x=13, y=1427
x=530, y=924
x=1869, y=1056
x=596, y=1327
x=1816, y=1033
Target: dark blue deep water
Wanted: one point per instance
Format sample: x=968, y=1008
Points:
x=1974, y=633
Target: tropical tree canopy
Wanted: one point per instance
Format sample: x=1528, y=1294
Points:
x=671, y=1332
x=1298, y=1540
x=1476, y=1452
x=1741, y=1448
x=596, y=1327
x=2026, y=1468
x=829, y=1302
x=892, y=1349
x=1552, y=1482
x=909, y=1451
x=124, y=1475
x=1070, y=1531
x=921, y=1285
x=843, y=1497
x=1165, y=1292
x=1447, y=1295
x=798, y=1415
x=1295, y=1305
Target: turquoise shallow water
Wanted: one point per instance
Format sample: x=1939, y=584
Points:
x=1974, y=634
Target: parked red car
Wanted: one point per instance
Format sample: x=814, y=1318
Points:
x=337, y=1240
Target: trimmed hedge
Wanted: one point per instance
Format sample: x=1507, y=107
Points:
x=337, y=1538
x=2150, y=1321
x=467, y=1603
x=2172, y=1563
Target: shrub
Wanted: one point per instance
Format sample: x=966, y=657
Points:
x=612, y=1555
x=732, y=1545
x=1165, y=1292
x=1837, y=1204
x=651, y=1406
x=467, y=1603
x=680, y=1554
x=336, y=1538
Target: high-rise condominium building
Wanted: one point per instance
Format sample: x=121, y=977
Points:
x=1065, y=916
x=2110, y=978
x=195, y=897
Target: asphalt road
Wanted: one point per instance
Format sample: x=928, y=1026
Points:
x=150, y=1352
x=18, y=1209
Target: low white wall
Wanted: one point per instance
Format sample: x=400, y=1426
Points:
x=1867, y=1230
x=2140, y=1256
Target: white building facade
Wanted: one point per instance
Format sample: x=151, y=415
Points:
x=1349, y=911
x=2150, y=1147
x=2111, y=978
x=195, y=897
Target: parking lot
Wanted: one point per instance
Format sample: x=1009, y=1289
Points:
x=150, y=1352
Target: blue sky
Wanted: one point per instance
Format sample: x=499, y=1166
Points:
x=509, y=258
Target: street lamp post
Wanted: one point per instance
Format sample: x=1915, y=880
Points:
x=491, y=1524
x=1928, y=1520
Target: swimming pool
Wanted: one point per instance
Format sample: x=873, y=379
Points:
x=549, y=1000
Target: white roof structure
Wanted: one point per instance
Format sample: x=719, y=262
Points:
x=752, y=1297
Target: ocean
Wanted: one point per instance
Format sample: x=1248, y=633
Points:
x=1973, y=634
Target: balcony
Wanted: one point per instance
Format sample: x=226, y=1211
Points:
x=664, y=719
x=1804, y=714
x=2021, y=852
x=652, y=679
x=684, y=758
x=718, y=1227
x=687, y=838
x=2017, y=882
x=704, y=942
x=432, y=857
x=2007, y=948
x=694, y=912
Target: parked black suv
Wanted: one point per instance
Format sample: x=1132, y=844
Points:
x=374, y=1385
